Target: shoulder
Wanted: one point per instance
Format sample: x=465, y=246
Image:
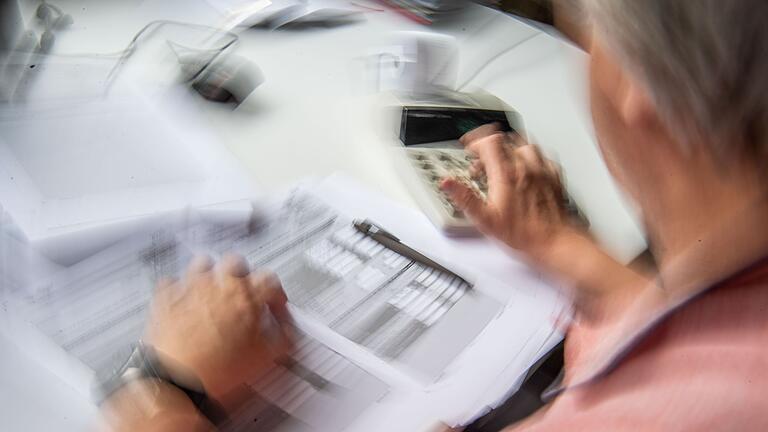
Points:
x=703, y=368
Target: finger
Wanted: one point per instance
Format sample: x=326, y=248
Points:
x=198, y=277
x=542, y=171
x=533, y=159
x=164, y=283
x=530, y=197
x=553, y=207
x=270, y=291
x=480, y=132
x=466, y=200
x=554, y=174
x=234, y=265
x=498, y=169
x=477, y=169
x=200, y=264
x=516, y=140
x=531, y=167
x=231, y=281
x=520, y=168
x=554, y=170
x=537, y=153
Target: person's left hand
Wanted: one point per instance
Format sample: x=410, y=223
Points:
x=221, y=324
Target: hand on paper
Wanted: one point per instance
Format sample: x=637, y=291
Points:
x=220, y=323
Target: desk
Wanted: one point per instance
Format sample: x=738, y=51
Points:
x=312, y=117
x=306, y=120
x=309, y=113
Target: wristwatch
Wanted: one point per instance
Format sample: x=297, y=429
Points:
x=143, y=363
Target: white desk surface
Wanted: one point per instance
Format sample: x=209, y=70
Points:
x=311, y=118
x=308, y=119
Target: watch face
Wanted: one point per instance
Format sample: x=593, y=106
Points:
x=128, y=366
x=135, y=360
x=131, y=373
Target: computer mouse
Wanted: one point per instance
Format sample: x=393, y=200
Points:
x=229, y=78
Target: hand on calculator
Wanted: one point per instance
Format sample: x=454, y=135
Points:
x=524, y=206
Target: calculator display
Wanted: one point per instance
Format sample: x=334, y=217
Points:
x=422, y=125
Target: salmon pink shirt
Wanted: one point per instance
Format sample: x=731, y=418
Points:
x=694, y=359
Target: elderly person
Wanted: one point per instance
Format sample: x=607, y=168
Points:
x=680, y=108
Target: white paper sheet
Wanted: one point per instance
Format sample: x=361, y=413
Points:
x=493, y=366
x=69, y=166
x=96, y=309
x=402, y=311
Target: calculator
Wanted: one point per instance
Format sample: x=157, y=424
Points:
x=427, y=149
x=431, y=167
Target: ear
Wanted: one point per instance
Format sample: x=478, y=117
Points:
x=634, y=104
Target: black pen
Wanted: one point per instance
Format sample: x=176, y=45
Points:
x=389, y=241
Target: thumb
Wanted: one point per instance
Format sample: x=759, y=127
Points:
x=272, y=295
x=466, y=200
x=269, y=291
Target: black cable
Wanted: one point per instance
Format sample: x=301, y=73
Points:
x=54, y=8
x=155, y=26
x=527, y=399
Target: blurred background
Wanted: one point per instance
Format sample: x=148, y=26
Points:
x=118, y=116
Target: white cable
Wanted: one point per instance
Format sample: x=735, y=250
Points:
x=492, y=59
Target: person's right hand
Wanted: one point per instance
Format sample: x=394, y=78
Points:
x=524, y=207
x=221, y=324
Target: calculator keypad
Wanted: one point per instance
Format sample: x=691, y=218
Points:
x=434, y=165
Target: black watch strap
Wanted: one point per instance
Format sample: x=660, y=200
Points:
x=208, y=407
x=143, y=362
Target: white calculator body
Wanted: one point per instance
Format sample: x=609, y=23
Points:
x=425, y=130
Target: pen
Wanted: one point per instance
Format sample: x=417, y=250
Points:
x=389, y=241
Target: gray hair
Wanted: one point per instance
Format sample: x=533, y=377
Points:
x=704, y=63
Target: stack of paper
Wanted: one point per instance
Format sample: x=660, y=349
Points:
x=423, y=339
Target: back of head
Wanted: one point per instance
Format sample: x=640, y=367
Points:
x=704, y=64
